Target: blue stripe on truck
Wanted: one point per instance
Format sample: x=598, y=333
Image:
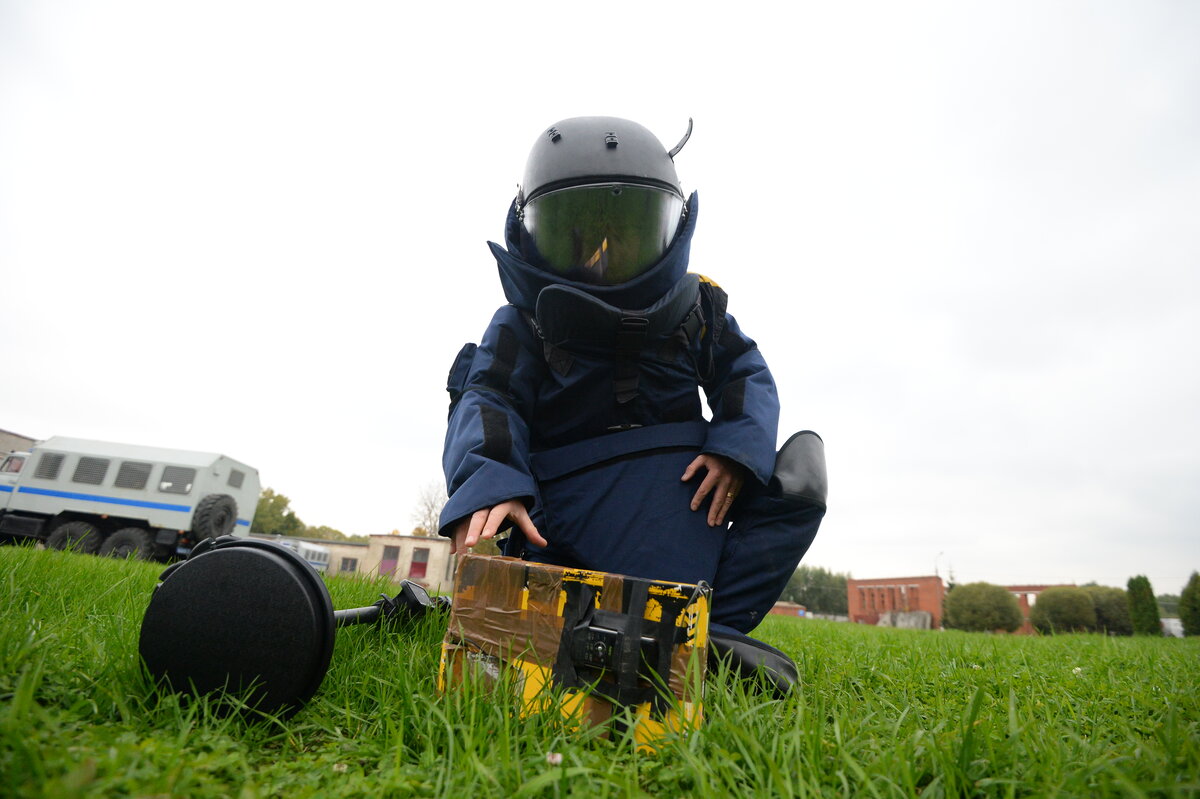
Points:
x=6, y=488
x=136, y=503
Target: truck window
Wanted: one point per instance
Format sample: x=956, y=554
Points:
x=236, y=477
x=12, y=464
x=177, y=480
x=49, y=465
x=133, y=474
x=90, y=470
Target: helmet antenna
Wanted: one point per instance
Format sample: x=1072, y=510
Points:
x=683, y=141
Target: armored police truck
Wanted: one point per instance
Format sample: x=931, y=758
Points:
x=123, y=500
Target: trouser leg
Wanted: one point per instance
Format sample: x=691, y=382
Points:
x=770, y=532
x=629, y=516
x=764, y=548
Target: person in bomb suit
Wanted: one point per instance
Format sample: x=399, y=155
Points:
x=577, y=419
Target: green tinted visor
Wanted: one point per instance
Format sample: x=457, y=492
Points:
x=605, y=234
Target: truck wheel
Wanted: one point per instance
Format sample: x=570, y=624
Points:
x=76, y=536
x=215, y=516
x=128, y=542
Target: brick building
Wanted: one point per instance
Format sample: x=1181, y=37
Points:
x=13, y=442
x=788, y=609
x=869, y=599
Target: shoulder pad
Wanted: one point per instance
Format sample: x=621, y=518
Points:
x=714, y=302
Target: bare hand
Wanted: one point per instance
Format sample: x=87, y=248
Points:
x=724, y=481
x=486, y=522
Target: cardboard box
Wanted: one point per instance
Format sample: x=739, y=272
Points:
x=587, y=640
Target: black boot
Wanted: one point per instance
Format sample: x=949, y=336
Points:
x=759, y=664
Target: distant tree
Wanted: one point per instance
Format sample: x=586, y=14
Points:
x=1189, y=605
x=487, y=546
x=1168, y=605
x=428, y=512
x=981, y=607
x=818, y=589
x=330, y=534
x=273, y=516
x=1143, y=609
x=1063, y=609
x=1112, y=609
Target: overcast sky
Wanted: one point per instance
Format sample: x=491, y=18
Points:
x=965, y=236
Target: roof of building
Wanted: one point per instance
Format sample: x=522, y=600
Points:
x=891, y=580
x=416, y=537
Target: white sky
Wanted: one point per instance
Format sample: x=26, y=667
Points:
x=965, y=236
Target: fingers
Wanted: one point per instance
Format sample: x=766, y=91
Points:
x=466, y=535
x=525, y=524
x=495, y=520
x=458, y=539
x=516, y=511
x=723, y=480
x=706, y=486
x=722, y=499
x=726, y=492
x=486, y=522
x=692, y=467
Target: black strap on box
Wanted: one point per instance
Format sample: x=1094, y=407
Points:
x=633, y=684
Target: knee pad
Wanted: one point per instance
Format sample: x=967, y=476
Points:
x=800, y=469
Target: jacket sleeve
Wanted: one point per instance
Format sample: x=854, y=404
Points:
x=743, y=399
x=492, y=387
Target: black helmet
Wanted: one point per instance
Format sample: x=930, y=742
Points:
x=600, y=201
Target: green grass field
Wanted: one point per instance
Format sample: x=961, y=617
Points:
x=883, y=713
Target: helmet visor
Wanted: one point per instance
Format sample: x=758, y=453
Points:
x=603, y=234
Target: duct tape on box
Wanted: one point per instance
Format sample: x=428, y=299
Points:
x=589, y=641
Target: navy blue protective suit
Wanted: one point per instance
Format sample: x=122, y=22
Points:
x=588, y=412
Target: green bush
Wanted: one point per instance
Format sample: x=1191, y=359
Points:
x=981, y=607
x=1143, y=607
x=1063, y=609
x=1189, y=605
x=1112, y=609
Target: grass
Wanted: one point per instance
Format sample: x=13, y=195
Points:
x=883, y=713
